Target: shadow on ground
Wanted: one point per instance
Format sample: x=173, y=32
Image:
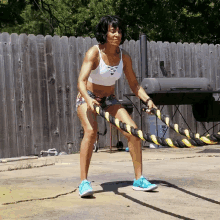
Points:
x=114, y=186
x=210, y=151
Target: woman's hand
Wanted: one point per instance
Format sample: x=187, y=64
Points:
x=150, y=106
x=90, y=104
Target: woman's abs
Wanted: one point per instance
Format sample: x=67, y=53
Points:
x=99, y=90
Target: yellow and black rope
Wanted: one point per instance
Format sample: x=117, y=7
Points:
x=194, y=137
x=192, y=141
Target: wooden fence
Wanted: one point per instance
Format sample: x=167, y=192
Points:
x=38, y=88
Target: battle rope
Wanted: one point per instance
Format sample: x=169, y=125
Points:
x=191, y=142
x=201, y=141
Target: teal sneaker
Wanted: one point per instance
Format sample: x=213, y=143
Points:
x=85, y=189
x=142, y=184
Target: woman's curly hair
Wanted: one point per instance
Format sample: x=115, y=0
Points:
x=102, y=28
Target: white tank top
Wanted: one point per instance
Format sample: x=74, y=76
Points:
x=106, y=75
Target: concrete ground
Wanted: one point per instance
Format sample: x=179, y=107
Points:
x=47, y=188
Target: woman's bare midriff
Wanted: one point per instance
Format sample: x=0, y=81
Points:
x=99, y=90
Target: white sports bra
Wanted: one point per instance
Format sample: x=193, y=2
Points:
x=106, y=75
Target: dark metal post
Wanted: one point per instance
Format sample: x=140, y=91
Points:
x=143, y=51
x=144, y=66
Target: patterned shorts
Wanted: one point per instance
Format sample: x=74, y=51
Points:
x=105, y=102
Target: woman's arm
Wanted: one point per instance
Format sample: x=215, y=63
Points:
x=85, y=71
x=132, y=81
x=89, y=63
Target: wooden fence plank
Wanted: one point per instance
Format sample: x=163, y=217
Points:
x=135, y=54
x=172, y=110
x=16, y=71
x=136, y=60
x=74, y=78
x=60, y=87
x=161, y=57
x=123, y=88
x=200, y=59
x=212, y=77
x=144, y=117
x=43, y=91
x=174, y=61
x=180, y=57
x=193, y=60
x=68, y=89
x=152, y=58
x=218, y=66
x=27, y=101
x=198, y=73
x=206, y=73
x=167, y=58
x=212, y=65
x=35, y=88
x=181, y=73
x=79, y=60
x=3, y=111
x=160, y=50
x=88, y=43
x=10, y=97
x=155, y=60
x=205, y=60
x=166, y=50
x=194, y=69
x=174, y=71
x=52, y=96
x=120, y=84
x=80, y=53
x=126, y=87
x=94, y=41
x=188, y=68
x=187, y=59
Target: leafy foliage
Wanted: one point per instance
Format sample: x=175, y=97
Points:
x=162, y=20
x=177, y=21
x=10, y=12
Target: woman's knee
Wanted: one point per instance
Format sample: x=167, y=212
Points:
x=132, y=138
x=90, y=132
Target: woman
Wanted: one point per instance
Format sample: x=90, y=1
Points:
x=102, y=66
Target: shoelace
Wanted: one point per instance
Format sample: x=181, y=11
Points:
x=142, y=180
x=86, y=183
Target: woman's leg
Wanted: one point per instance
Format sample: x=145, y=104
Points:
x=134, y=143
x=89, y=123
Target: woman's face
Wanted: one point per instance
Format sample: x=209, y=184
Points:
x=114, y=36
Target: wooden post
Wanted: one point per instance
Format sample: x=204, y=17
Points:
x=11, y=148
x=3, y=113
x=35, y=92
x=18, y=86
x=52, y=96
x=43, y=91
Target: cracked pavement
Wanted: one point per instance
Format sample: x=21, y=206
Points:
x=188, y=186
